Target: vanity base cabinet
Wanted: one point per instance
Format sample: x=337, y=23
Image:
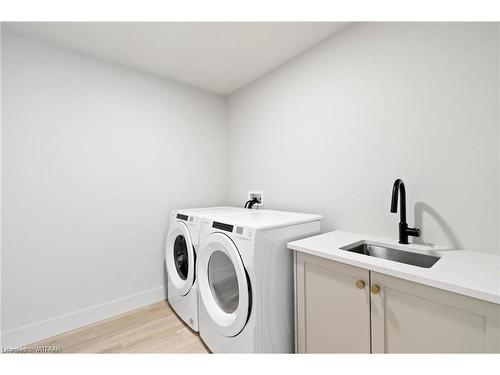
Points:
x=346, y=309
x=408, y=317
x=333, y=312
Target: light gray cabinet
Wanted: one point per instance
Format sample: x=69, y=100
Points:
x=341, y=308
x=333, y=314
x=409, y=317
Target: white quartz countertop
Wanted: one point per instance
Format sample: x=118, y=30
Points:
x=471, y=273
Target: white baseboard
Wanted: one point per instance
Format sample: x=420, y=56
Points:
x=34, y=332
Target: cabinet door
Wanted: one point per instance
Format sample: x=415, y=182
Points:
x=409, y=317
x=333, y=313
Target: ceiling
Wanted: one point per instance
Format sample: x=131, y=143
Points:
x=216, y=56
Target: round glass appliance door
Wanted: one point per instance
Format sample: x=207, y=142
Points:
x=223, y=282
x=179, y=258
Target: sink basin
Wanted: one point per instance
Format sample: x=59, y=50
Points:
x=395, y=255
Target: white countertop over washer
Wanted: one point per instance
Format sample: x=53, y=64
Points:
x=471, y=273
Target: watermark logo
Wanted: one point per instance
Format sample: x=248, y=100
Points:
x=34, y=349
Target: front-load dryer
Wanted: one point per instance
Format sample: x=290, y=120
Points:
x=181, y=248
x=245, y=278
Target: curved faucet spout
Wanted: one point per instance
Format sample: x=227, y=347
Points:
x=398, y=189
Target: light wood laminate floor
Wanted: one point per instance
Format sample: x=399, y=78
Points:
x=151, y=329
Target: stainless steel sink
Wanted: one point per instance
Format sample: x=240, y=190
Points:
x=395, y=255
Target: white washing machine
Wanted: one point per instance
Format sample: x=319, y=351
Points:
x=181, y=248
x=245, y=278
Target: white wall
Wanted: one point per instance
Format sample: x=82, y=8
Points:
x=94, y=156
x=1, y=329
x=498, y=120
x=329, y=132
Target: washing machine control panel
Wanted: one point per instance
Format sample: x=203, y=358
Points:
x=182, y=217
x=239, y=232
x=244, y=233
x=223, y=226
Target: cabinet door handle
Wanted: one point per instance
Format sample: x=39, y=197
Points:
x=360, y=284
x=375, y=289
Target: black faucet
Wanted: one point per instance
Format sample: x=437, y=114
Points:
x=404, y=231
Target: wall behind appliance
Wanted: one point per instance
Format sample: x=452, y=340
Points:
x=329, y=131
x=94, y=156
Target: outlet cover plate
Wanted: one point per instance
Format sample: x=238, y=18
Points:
x=256, y=194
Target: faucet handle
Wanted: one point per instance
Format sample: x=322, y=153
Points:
x=415, y=232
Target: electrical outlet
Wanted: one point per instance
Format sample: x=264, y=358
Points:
x=256, y=194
